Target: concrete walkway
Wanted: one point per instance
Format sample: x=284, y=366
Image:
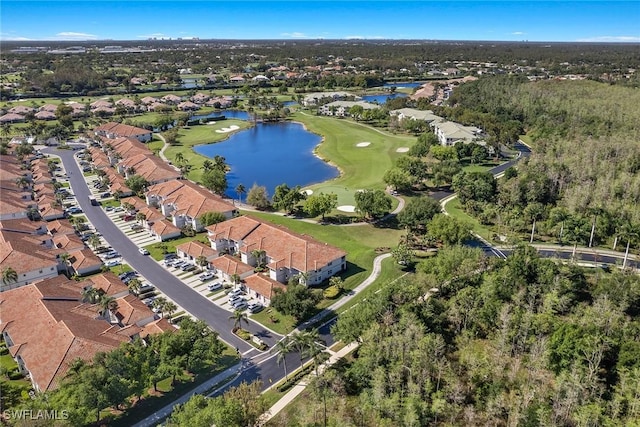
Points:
x=157, y=417
x=302, y=384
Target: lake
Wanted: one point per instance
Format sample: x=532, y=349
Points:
x=270, y=154
x=404, y=84
x=382, y=98
x=229, y=114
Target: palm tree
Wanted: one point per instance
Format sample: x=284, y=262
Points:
x=631, y=232
x=259, y=257
x=134, y=285
x=282, y=348
x=534, y=212
x=92, y=295
x=159, y=304
x=304, y=341
x=94, y=241
x=595, y=212
x=559, y=215
x=202, y=262
x=319, y=356
x=235, y=278
x=108, y=305
x=9, y=276
x=575, y=232
x=140, y=217
x=65, y=260
x=179, y=158
x=240, y=189
x=22, y=182
x=169, y=308
x=207, y=165
x=238, y=317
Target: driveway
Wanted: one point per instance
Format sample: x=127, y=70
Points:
x=192, y=301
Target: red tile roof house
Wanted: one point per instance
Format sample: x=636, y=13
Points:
x=186, y=202
x=227, y=266
x=171, y=99
x=262, y=287
x=287, y=254
x=114, y=130
x=85, y=262
x=151, y=168
x=47, y=326
x=163, y=230
x=30, y=261
x=194, y=249
x=188, y=106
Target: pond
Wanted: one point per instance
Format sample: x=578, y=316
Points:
x=229, y=114
x=382, y=98
x=404, y=84
x=270, y=154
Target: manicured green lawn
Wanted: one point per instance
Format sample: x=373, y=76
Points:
x=155, y=249
x=454, y=209
x=358, y=241
x=197, y=135
x=361, y=167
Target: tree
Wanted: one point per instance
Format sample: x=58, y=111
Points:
x=575, y=232
x=320, y=204
x=141, y=217
x=240, y=190
x=629, y=232
x=159, y=305
x=215, y=180
x=136, y=183
x=94, y=241
x=448, y=230
x=210, y=218
x=559, y=215
x=442, y=153
x=297, y=301
x=9, y=276
x=238, y=318
x=107, y=305
x=64, y=258
x=168, y=309
x=474, y=186
x=179, y=158
x=92, y=295
x=371, y=203
x=418, y=212
x=285, y=198
x=402, y=254
x=282, y=348
x=534, y=212
x=202, y=261
x=257, y=197
x=134, y=285
x=398, y=179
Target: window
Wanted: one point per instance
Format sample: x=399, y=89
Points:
x=40, y=271
x=330, y=262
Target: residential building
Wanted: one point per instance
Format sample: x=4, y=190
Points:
x=449, y=133
x=341, y=108
x=114, y=130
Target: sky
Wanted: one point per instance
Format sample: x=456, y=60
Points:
x=568, y=21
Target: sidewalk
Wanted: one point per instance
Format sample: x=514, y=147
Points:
x=299, y=388
x=158, y=416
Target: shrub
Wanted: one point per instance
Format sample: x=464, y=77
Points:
x=245, y=335
x=331, y=292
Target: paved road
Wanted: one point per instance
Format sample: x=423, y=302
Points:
x=196, y=304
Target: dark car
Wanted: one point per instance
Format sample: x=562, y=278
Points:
x=105, y=195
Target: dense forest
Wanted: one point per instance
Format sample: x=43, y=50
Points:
x=473, y=341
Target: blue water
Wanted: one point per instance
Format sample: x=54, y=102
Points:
x=382, y=98
x=270, y=154
x=229, y=114
x=404, y=84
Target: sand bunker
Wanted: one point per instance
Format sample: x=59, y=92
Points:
x=402, y=149
x=347, y=208
x=308, y=191
x=363, y=144
x=229, y=129
x=211, y=123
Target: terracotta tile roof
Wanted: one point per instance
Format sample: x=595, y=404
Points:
x=131, y=310
x=49, y=107
x=129, y=147
x=100, y=103
x=149, y=100
x=156, y=327
x=230, y=265
x=24, y=225
x=68, y=242
x=263, y=285
x=60, y=226
x=24, y=257
x=234, y=229
x=109, y=283
x=120, y=129
x=151, y=213
x=164, y=228
x=136, y=202
x=171, y=98
x=196, y=249
x=85, y=258
x=151, y=168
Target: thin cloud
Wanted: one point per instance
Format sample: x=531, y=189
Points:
x=12, y=38
x=154, y=35
x=518, y=33
x=354, y=37
x=612, y=39
x=296, y=35
x=72, y=35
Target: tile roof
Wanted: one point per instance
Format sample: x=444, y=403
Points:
x=190, y=199
x=234, y=229
x=85, y=259
x=263, y=285
x=120, y=129
x=230, y=265
x=196, y=249
x=24, y=257
x=164, y=228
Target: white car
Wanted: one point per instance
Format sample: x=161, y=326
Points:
x=113, y=263
x=206, y=276
x=214, y=286
x=143, y=251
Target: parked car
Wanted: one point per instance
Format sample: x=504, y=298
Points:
x=74, y=210
x=214, y=286
x=188, y=267
x=240, y=305
x=235, y=299
x=235, y=293
x=127, y=217
x=112, y=263
x=111, y=255
x=136, y=227
x=143, y=251
x=146, y=288
x=255, y=307
x=206, y=276
x=119, y=209
x=105, y=195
